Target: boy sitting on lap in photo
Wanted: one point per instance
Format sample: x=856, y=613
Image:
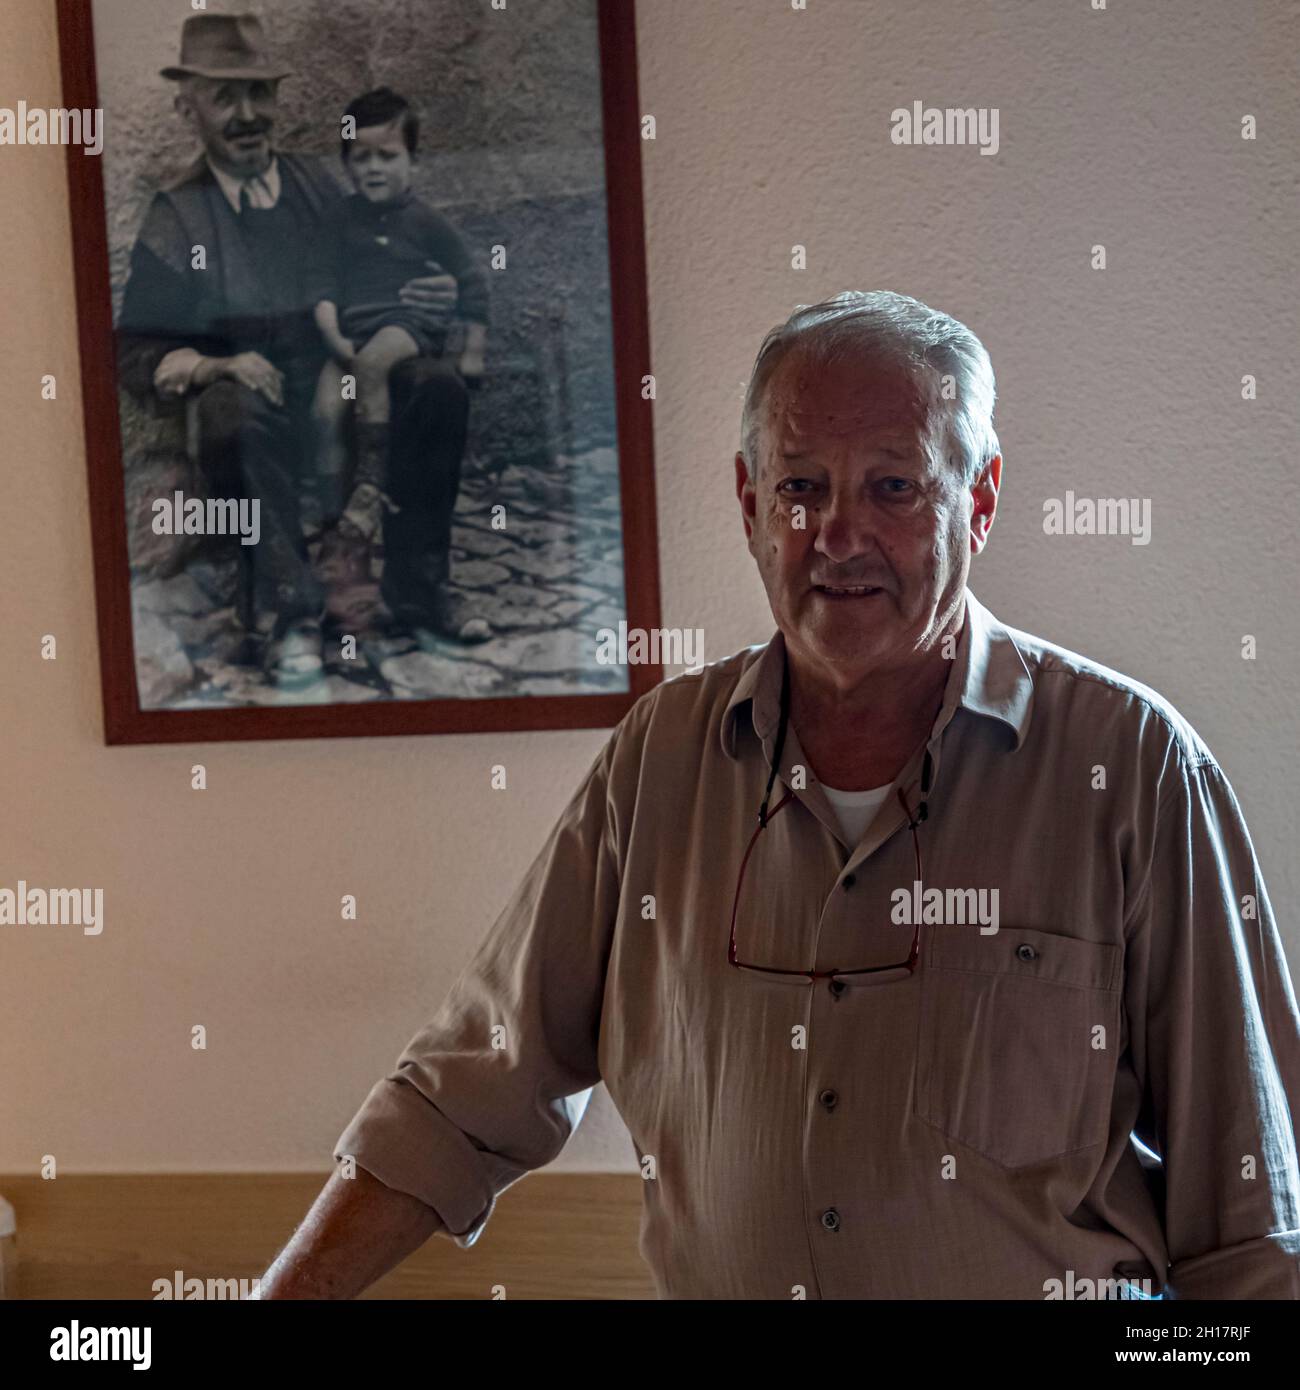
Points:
x=386, y=237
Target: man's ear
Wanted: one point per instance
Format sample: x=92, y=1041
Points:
x=984, y=499
x=746, y=494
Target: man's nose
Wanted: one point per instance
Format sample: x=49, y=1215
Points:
x=846, y=528
x=244, y=109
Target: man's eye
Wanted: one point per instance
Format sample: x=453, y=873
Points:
x=906, y=482
x=790, y=485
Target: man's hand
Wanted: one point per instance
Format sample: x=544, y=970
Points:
x=432, y=296
x=249, y=369
x=175, y=372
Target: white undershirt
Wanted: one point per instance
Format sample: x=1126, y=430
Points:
x=856, y=810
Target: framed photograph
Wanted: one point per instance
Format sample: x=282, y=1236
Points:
x=362, y=312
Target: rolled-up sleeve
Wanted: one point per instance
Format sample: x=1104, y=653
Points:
x=1216, y=1041
x=492, y=1087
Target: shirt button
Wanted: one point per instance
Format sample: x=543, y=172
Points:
x=1026, y=952
x=837, y=987
x=829, y=1099
x=849, y=881
x=831, y=1219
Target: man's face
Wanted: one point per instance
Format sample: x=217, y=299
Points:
x=234, y=119
x=877, y=570
x=379, y=164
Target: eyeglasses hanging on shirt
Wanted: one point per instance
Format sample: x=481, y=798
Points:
x=764, y=816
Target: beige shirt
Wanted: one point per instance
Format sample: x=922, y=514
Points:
x=960, y=1132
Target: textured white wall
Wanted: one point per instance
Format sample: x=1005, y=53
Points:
x=1118, y=127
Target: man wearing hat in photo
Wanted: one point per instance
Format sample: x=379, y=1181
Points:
x=235, y=334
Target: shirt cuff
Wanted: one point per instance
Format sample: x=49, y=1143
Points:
x=1265, y=1268
x=407, y=1143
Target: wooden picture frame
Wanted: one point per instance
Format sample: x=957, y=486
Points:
x=125, y=719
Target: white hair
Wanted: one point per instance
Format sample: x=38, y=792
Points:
x=874, y=323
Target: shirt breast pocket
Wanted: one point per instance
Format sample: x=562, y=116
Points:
x=1017, y=1040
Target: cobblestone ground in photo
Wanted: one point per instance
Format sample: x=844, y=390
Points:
x=547, y=583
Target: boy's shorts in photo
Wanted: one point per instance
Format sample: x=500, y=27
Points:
x=361, y=322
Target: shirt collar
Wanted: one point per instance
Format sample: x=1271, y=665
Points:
x=230, y=185
x=989, y=677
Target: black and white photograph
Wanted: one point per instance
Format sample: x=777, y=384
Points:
x=364, y=353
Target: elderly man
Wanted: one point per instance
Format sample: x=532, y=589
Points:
x=218, y=310
x=754, y=922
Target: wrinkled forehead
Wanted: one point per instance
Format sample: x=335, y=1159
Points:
x=872, y=399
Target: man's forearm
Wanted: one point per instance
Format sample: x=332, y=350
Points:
x=356, y=1231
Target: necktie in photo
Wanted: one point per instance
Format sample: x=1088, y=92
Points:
x=254, y=193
